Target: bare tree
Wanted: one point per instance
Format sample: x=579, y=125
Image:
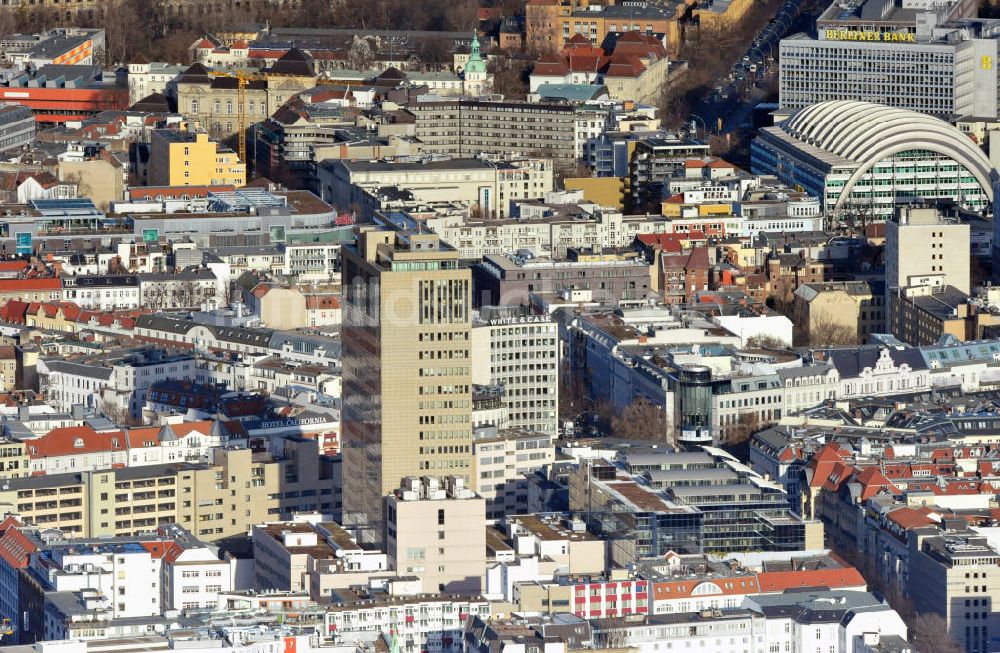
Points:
x=826, y=331
x=8, y=22
x=641, y=420
x=154, y=296
x=314, y=12
x=122, y=29
x=361, y=55
x=540, y=35
x=462, y=15
x=613, y=634
x=434, y=53
x=746, y=425
x=116, y=413
x=573, y=398
x=765, y=342
x=508, y=76
x=930, y=633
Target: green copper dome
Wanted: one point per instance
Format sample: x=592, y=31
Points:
x=475, y=63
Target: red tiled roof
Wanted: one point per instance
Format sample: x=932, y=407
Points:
x=314, y=302
x=61, y=442
x=175, y=192
x=653, y=239
x=736, y=585
x=907, y=518
x=332, y=94
x=586, y=63
x=14, y=311
x=15, y=285
x=139, y=438
x=159, y=549
x=174, y=550
x=789, y=453
x=829, y=457
x=624, y=66
x=550, y=64
x=780, y=581
x=874, y=481
x=13, y=266
x=44, y=179
x=669, y=242
x=839, y=475
x=266, y=53
x=696, y=259
x=15, y=546
x=964, y=487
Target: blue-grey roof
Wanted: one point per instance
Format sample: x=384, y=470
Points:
x=947, y=352
x=572, y=92
x=850, y=362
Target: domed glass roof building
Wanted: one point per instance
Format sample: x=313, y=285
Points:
x=860, y=157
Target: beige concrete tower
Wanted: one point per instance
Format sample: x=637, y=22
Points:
x=407, y=378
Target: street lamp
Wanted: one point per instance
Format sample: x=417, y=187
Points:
x=579, y=415
x=694, y=126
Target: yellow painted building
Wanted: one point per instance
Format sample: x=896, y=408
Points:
x=722, y=16
x=221, y=498
x=675, y=210
x=14, y=461
x=187, y=157
x=606, y=191
x=8, y=368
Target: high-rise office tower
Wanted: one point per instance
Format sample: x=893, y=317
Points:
x=407, y=382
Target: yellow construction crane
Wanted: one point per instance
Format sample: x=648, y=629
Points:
x=242, y=77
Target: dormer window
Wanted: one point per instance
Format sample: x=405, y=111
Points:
x=78, y=443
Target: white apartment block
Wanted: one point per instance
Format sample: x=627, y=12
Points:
x=311, y=555
x=492, y=186
x=955, y=73
x=315, y=262
x=520, y=353
x=546, y=235
x=144, y=79
x=806, y=223
x=194, y=578
x=821, y=621
x=922, y=248
x=118, y=386
x=127, y=575
x=181, y=290
x=103, y=293
x=503, y=462
x=421, y=623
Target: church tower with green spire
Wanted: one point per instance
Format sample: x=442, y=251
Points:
x=475, y=70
